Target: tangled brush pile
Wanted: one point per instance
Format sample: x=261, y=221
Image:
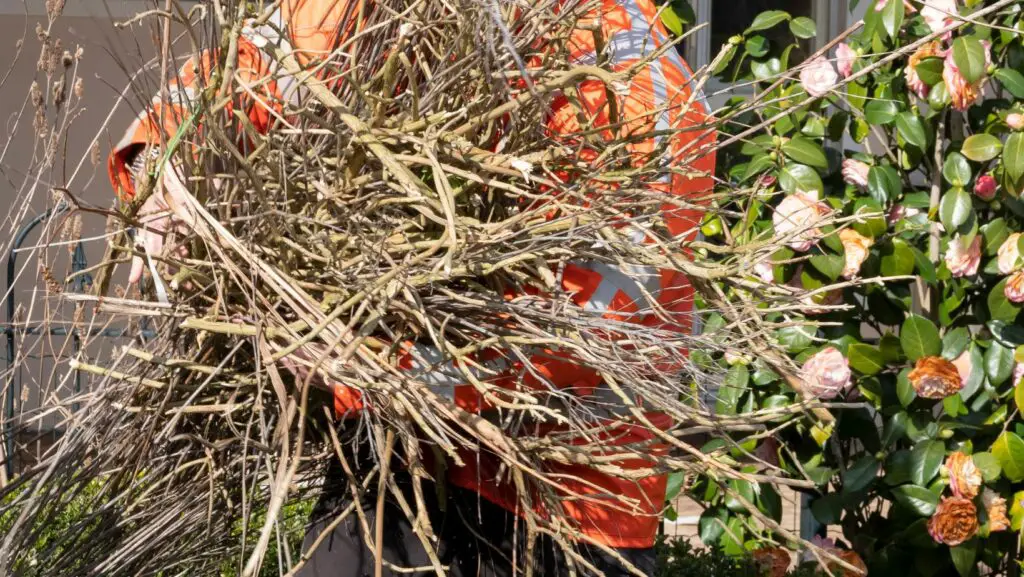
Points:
x=405, y=226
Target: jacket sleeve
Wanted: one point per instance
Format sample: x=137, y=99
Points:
x=166, y=113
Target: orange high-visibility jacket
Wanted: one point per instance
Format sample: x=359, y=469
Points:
x=656, y=100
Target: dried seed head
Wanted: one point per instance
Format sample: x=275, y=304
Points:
x=54, y=8
x=67, y=59
x=58, y=92
x=41, y=32
x=36, y=94
x=94, y=152
x=79, y=88
x=52, y=286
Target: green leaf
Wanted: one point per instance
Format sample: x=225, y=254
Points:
x=756, y=46
x=999, y=307
x=733, y=386
x=920, y=338
x=954, y=208
x=917, y=499
x=938, y=96
x=912, y=129
x=929, y=70
x=904, y=390
x=674, y=485
x=897, y=258
x=770, y=502
x=925, y=267
x=1013, y=156
x=827, y=509
x=964, y=556
x=1018, y=395
x=805, y=151
x=998, y=363
x=672, y=21
x=955, y=342
x=1011, y=80
x=796, y=177
x=865, y=359
x=956, y=169
x=981, y=147
x=767, y=19
x=988, y=465
x=730, y=53
x=803, y=27
x=734, y=536
x=861, y=474
x=884, y=183
x=830, y=265
x=1009, y=451
x=994, y=234
x=969, y=56
x=795, y=339
x=954, y=406
x=892, y=18
x=874, y=226
x=744, y=489
x=925, y=460
x=881, y=111
x=712, y=524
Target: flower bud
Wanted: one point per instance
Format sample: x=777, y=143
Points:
x=1015, y=120
x=985, y=187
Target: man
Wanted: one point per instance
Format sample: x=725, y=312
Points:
x=475, y=510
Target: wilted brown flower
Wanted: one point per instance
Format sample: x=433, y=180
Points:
x=851, y=557
x=964, y=477
x=955, y=521
x=772, y=561
x=855, y=246
x=995, y=509
x=935, y=378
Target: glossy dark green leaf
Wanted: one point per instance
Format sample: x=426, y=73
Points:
x=895, y=427
x=1013, y=156
x=796, y=177
x=954, y=208
x=897, y=258
x=767, y=19
x=712, y=524
x=963, y=557
x=897, y=467
x=884, y=183
x=999, y=307
x=988, y=465
x=994, y=234
x=674, y=485
x=770, y=502
x=956, y=169
x=860, y=474
x=803, y=27
x=981, y=147
x=912, y=129
x=920, y=338
x=865, y=359
x=739, y=489
x=795, y=338
x=830, y=265
x=924, y=266
x=925, y=460
x=1011, y=80
x=881, y=111
x=827, y=509
x=955, y=342
x=1008, y=449
x=756, y=46
x=734, y=536
x=733, y=386
x=904, y=390
x=929, y=70
x=766, y=69
x=873, y=226
x=998, y=363
x=917, y=499
x=805, y=151
x=969, y=56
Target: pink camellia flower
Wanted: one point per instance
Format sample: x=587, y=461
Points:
x=763, y=270
x=985, y=187
x=899, y=212
x=963, y=366
x=963, y=260
x=1009, y=254
x=1018, y=373
x=826, y=374
x=845, y=57
x=855, y=172
x=1014, y=289
x=855, y=247
x=818, y=76
x=962, y=94
x=1015, y=120
x=798, y=214
x=914, y=82
x=938, y=14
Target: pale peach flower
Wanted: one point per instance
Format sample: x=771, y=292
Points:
x=1009, y=254
x=845, y=57
x=1015, y=120
x=964, y=477
x=799, y=214
x=1014, y=289
x=818, y=76
x=964, y=366
x=995, y=509
x=935, y=378
x=962, y=94
x=855, y=172
x=914, y=82
x=963, y=260
x=938, y=14
x=826, y=374
x=855, y=247
x=763, y=270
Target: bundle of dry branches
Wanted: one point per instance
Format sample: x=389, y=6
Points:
x=371, y=240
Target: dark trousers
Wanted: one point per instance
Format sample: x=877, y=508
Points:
x=475, y=538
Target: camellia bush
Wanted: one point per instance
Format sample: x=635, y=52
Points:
x=892, y=164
